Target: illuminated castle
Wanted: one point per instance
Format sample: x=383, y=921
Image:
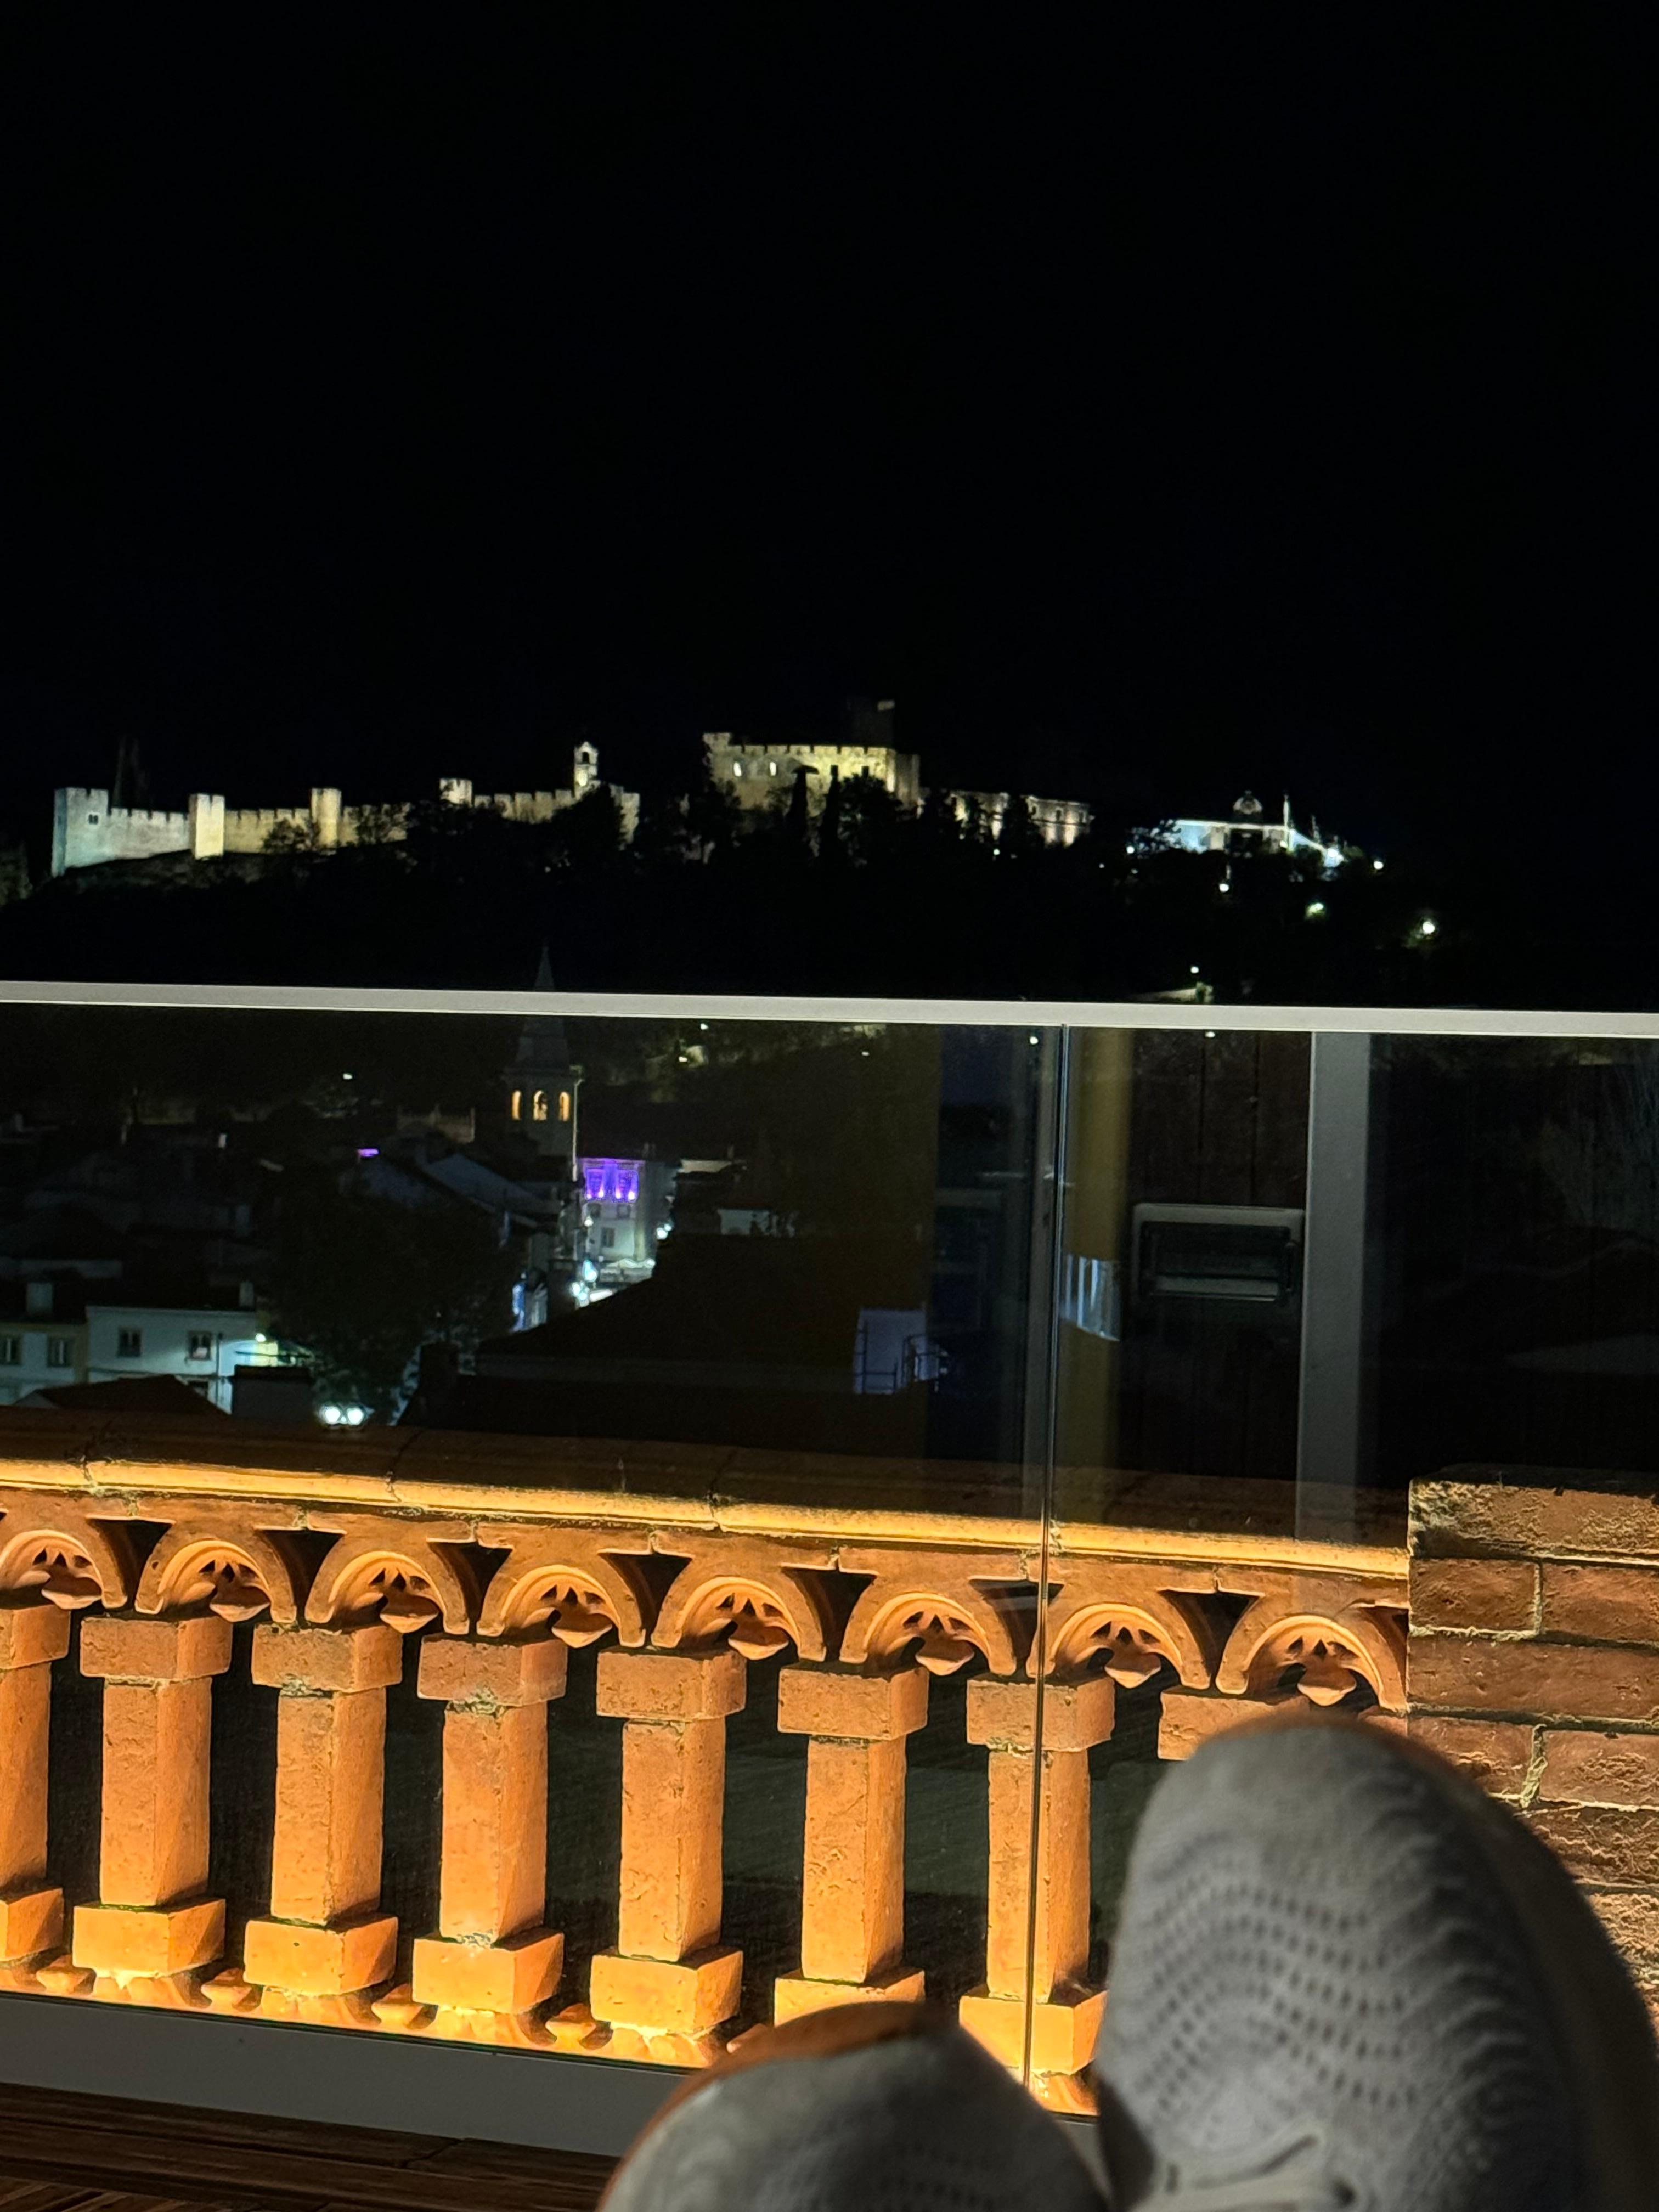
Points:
x=86, y=831
x=758, y=775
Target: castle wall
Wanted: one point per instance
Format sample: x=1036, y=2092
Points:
x=1057, y=821
x=1062, y=821
x=752, y=773
x=525, y=806
x=207, y=825
x=246, y=828
x=86, y=831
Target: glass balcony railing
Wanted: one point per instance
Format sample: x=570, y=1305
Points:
x=579, y=1529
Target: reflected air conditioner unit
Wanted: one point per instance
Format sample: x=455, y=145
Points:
x=1244, y=1254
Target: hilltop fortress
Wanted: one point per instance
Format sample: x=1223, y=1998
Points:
x=86, y=831
x=757, y=774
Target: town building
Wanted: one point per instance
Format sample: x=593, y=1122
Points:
x=626, y=1214
x=43, y=1337
x=89, y=832
x=200, y=1345
x=65, y=1330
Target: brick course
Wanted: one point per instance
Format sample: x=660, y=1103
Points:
x=1555, y=1707
x=1501, y=1594
x=1607, y=1605
x=1498, y=1754
x=1602, y=1843
x=1592, y=1766
x=1567, y=1681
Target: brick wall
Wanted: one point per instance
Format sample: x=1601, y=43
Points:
x=1534, y=1663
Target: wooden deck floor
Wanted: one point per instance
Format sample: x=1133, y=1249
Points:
x=70, y=2154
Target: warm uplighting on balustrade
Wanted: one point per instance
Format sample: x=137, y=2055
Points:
x=477, y=1589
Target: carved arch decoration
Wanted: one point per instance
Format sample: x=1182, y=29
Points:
x=580, y=1583
x=935, y=1601
x=1134, y=1630
x=237, y=1572
x=1335, y=1645
x=404, y=1575
x=757, y=1598
x=52, y=1549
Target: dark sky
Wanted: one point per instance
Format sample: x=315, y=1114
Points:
x=1183, y=399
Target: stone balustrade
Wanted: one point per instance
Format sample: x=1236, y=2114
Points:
x=475, y=1568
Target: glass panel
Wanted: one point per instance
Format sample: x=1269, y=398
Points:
x=1182, y=1301
x=1298, y=1274
x=1204, y=1484
x=1514, y=1249
x=706, y=1365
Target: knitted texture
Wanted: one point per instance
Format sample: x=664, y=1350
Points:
x=925, y=2124
x=1318, y=1995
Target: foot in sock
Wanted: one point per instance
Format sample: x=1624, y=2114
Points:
x=864, y=2108
x=1345, y=1978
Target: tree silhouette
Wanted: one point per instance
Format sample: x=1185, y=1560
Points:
x=1020, y=837
x=795, y=816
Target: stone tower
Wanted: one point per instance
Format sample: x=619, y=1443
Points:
x=544, y=1085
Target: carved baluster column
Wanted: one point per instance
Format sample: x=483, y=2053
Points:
x=31, y=1910
x=151, y=1920
x=852, y=1933
x=326, y=1941
x=492, y=1954
x=1065, y=2016
x=668, y=1975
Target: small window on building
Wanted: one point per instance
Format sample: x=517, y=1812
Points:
x=129, y=1344
x=539, y=1107
x=92, y=821
x=11, y=1351
x=517, y=1106
x=564, y=1105
x=737, y=767
x=771, y=768
x=201, y=1344
x=60, y=1352
x=607, y=1239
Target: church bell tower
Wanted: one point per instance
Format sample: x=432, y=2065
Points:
x=543, y=1087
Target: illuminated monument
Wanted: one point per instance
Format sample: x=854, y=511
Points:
x=1248, y=830
x=89, y=832
x=759, y=775
x=86, y=831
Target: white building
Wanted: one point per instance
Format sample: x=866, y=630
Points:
x=201, y=1346
x=1247, y=830
x=43, y=1337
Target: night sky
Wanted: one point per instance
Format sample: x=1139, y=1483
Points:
x=1179, y=399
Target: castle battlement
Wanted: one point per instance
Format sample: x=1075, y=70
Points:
x=757, y=774
x=87, y=832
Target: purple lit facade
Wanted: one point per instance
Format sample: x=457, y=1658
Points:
x=615, y=1181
